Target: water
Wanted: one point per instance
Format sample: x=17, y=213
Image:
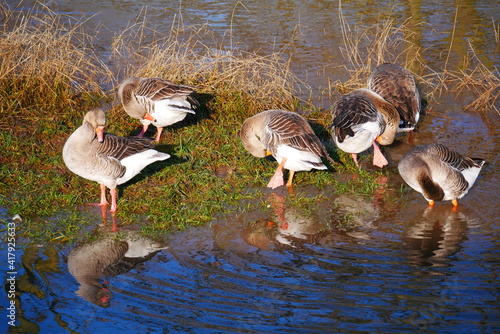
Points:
x=433, y=270
x=403, y=267
x=313, y=26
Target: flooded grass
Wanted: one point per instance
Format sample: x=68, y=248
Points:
x=50, y=76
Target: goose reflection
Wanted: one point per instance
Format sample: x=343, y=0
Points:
x=111, y=255
x=437, y=236
x=290, y=228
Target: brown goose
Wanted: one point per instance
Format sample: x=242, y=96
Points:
x=397, y=85
x=439, y=173
x=359, y=120
x=156, y=101
x=105, y=158
x=286, y=136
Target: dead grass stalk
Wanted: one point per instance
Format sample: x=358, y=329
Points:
x=366, y=47
x=194, y=55
x=45, y=60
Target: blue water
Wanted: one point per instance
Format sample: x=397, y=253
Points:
x=417, y=270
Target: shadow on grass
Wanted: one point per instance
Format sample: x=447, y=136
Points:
x=325, y=137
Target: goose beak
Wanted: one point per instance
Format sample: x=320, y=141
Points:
x=268, y=153
x=100, y=133
x=149, y=117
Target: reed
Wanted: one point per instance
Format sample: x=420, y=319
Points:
x=47, y=62
x=477, y=78
x=365, y=47
x=496, y=30
x=194, y=55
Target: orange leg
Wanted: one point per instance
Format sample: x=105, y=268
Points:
x=113, y=200
x=431, y=203
x=103, y=202
x=290, y=178
x=410, y=137
x=355, y=158
x=158, y=134
x=378, y=158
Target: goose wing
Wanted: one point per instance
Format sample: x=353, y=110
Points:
x=397, y=85
x=287, y=128
x=456, y=180
x=451, y=157
x=350, y=111
x=121, y=147
x=159, y=89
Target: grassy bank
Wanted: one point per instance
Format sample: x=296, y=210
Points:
x=50, y=76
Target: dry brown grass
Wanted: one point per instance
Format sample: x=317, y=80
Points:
x=195, y=56
x=496, y=30
x=366, y=47
x=474, y=78
x=45, y=60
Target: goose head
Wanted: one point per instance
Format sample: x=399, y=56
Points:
x=388, y=112
x=95, y=119
x=251, y=133
x=132, y=105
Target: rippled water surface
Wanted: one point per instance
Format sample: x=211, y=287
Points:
x=285, y=271
x=398, y=266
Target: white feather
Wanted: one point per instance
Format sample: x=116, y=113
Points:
x=297, y=160
x=135, y=163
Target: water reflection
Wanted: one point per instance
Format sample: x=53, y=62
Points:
x=289, y=228
x=110, y=255
x=438, y=235
x=357, y=211
x=306, y=276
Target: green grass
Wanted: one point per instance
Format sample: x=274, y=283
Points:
x=207, y=175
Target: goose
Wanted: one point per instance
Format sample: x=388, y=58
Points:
x=286, y=136
x=439, y=173
x=359, y=120
x=106, y=158
x=397, y=85
x=156, y=101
